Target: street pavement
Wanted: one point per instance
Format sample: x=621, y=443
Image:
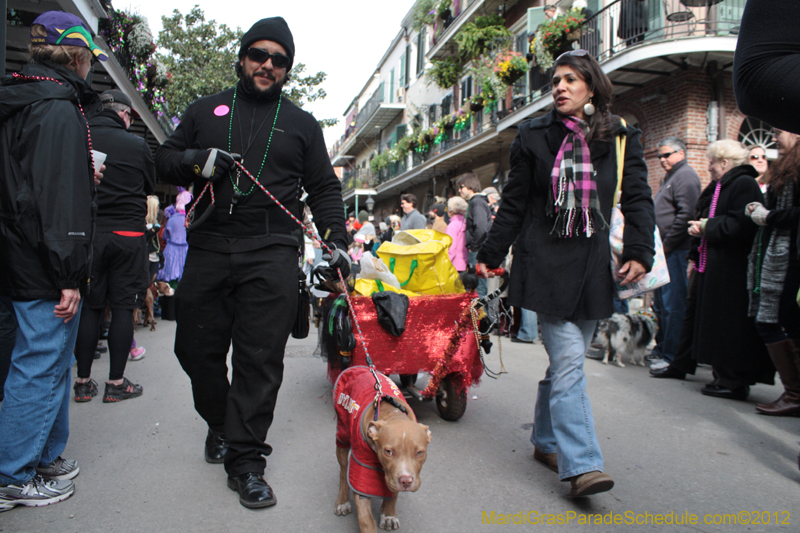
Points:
x=668, y=448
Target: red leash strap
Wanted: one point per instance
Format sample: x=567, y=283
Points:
x=307, y=231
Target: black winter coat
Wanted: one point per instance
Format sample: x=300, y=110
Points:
x=130, y=174
x=724, y=336
x=567, y=277
x=47, y=185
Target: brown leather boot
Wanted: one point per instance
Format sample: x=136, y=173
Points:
x=786, y=357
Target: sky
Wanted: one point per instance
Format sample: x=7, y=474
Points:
x=344, y=39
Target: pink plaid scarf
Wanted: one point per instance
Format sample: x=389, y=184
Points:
x=575, y=203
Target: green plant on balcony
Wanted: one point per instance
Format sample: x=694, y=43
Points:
x=405, y=145
x=476, y=102
x=510, y=66
x=555, y=36
x=444, y=72
x=443, y=9
x=424, y=14
x=476, y=38
x=379, y=162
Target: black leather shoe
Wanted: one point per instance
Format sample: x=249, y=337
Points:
x=739, y=393
x=253, y=491
x=667, y=372
x=216, y=447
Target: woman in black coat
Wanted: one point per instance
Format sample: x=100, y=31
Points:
x=556, y=206
x=724, y=336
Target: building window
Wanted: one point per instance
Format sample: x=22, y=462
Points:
x=754, y=131
x=406, y=72
x=466, y=90
x=421, y=52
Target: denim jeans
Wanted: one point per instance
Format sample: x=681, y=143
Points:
x=34, y=417
x=563, y=420
x=670, y=305
x=8, y=335
x=529, y=327
x=472, y=260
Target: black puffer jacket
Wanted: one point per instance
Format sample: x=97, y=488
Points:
x=46, y=187
x=567, y=278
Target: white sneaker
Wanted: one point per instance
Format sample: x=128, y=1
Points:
x=59, y=469
x=37, y=492
x=659, y=365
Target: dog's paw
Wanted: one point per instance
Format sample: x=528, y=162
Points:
x=619, y=364
x=343, y=509
x=389, y=523
x=604, y=361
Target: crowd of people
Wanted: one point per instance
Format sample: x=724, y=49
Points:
x=731, y=251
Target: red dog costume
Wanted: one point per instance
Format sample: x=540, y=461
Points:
x=353, y=393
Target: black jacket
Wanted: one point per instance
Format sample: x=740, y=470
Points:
x=129, y=177
x=567, y=277
x=297, y=155
x=47, y=187
x=479, y=220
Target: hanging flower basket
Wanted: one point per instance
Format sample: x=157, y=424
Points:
x=574, y=35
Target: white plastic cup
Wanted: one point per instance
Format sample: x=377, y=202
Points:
x=99, y=159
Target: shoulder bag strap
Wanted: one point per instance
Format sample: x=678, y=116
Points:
x=621, y=141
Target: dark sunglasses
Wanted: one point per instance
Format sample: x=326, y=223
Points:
x=261, y=56
x=756, y=157
x=664, y=156
x=577, y=53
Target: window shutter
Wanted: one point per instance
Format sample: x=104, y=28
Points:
x=391, y=86
x=400, y=131
x=407, y=73
x=402, y=73
x=421, y=51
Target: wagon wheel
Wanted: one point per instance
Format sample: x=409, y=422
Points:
x=407, y=379
x=451, y=402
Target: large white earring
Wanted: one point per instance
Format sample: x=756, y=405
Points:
x=588, y=108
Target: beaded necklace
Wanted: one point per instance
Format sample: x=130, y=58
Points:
x=19, y=76
x=236, y=189
x=703, y=248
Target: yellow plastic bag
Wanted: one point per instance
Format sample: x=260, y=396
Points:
x=365, y=287
x=420, y=261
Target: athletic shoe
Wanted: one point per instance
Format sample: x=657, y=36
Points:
x=117, y=393
x=659, y=365
x=137, y=354
x=61, y=469
x=85, y=391
x=657, y=361
x=37, y=492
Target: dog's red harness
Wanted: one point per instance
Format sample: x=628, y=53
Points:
x=353, y=393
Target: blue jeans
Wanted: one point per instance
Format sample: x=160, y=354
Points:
x=670, y=305
x=34, y=417
x=529, y=327
x=472, y=261
x=563, y=420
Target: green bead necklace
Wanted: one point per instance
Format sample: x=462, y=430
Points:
x=269, y=142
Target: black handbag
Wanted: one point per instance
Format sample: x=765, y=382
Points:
x=391, y=308
x=301, y=321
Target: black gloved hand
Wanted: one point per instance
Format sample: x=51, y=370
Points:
x=211, y=164
x=338, y=259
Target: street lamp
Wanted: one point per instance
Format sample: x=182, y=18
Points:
x=370, y=204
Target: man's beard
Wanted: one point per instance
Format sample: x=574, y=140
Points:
x=249, y=82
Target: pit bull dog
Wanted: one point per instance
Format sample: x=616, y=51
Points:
x=377, y=458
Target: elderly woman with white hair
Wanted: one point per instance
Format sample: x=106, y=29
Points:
x=724, y=336
x=457, y=208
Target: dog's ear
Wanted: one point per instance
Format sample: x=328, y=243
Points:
x=374, y=428
x=427, y=431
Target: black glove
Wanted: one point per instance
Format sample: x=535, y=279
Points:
x=211, y=164
x=338, y=259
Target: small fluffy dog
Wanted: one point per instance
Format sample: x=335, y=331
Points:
x=626, y=334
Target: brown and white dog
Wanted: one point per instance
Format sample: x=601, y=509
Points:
x=155, y=290
x=377, y=458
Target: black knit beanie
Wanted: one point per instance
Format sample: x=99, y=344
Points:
x=271, y=29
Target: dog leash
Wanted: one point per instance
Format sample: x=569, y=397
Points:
x=189, y=220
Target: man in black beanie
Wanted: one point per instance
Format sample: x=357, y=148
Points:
x=239, y=284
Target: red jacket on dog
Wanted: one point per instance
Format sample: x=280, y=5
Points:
x=353, y=393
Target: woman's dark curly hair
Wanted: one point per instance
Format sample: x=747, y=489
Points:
x=785, y=168
x=587, y=67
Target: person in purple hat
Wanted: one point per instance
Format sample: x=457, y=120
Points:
x=46, y=195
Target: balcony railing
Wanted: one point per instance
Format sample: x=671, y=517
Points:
x=620, y=26
x=370, y=107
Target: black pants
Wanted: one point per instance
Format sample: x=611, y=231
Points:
x=684, y=360
x=249, y=299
